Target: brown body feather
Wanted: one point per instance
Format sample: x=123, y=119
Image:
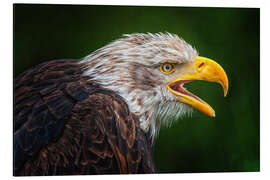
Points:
x=65, y=123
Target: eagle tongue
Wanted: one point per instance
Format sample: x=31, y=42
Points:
x=182, y=90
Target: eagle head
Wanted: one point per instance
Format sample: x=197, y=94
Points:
x=149, y=71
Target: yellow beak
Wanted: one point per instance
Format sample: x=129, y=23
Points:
x=203, y=69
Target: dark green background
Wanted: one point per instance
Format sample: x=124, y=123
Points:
x=229, y=142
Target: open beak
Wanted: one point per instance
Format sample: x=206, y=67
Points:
x=202, y=69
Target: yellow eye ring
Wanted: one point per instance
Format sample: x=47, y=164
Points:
x=167, y=68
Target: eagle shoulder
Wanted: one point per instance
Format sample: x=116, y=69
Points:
x=67, y=124
x=44, y=97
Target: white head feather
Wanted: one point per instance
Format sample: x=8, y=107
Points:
x=130, y=67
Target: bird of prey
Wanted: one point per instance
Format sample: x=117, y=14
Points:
x=101, y=114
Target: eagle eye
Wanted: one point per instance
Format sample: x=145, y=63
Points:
x=167, y=68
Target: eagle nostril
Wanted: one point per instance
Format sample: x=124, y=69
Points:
x=201, y=65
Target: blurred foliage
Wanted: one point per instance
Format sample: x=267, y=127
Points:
x=228, y=142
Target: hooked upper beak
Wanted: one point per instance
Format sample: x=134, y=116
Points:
x=202, y=69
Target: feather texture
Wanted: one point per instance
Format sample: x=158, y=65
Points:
x=65, y=123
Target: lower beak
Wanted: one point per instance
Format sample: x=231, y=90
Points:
x=205, y=69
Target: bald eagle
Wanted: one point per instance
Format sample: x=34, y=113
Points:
x=101, y=114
